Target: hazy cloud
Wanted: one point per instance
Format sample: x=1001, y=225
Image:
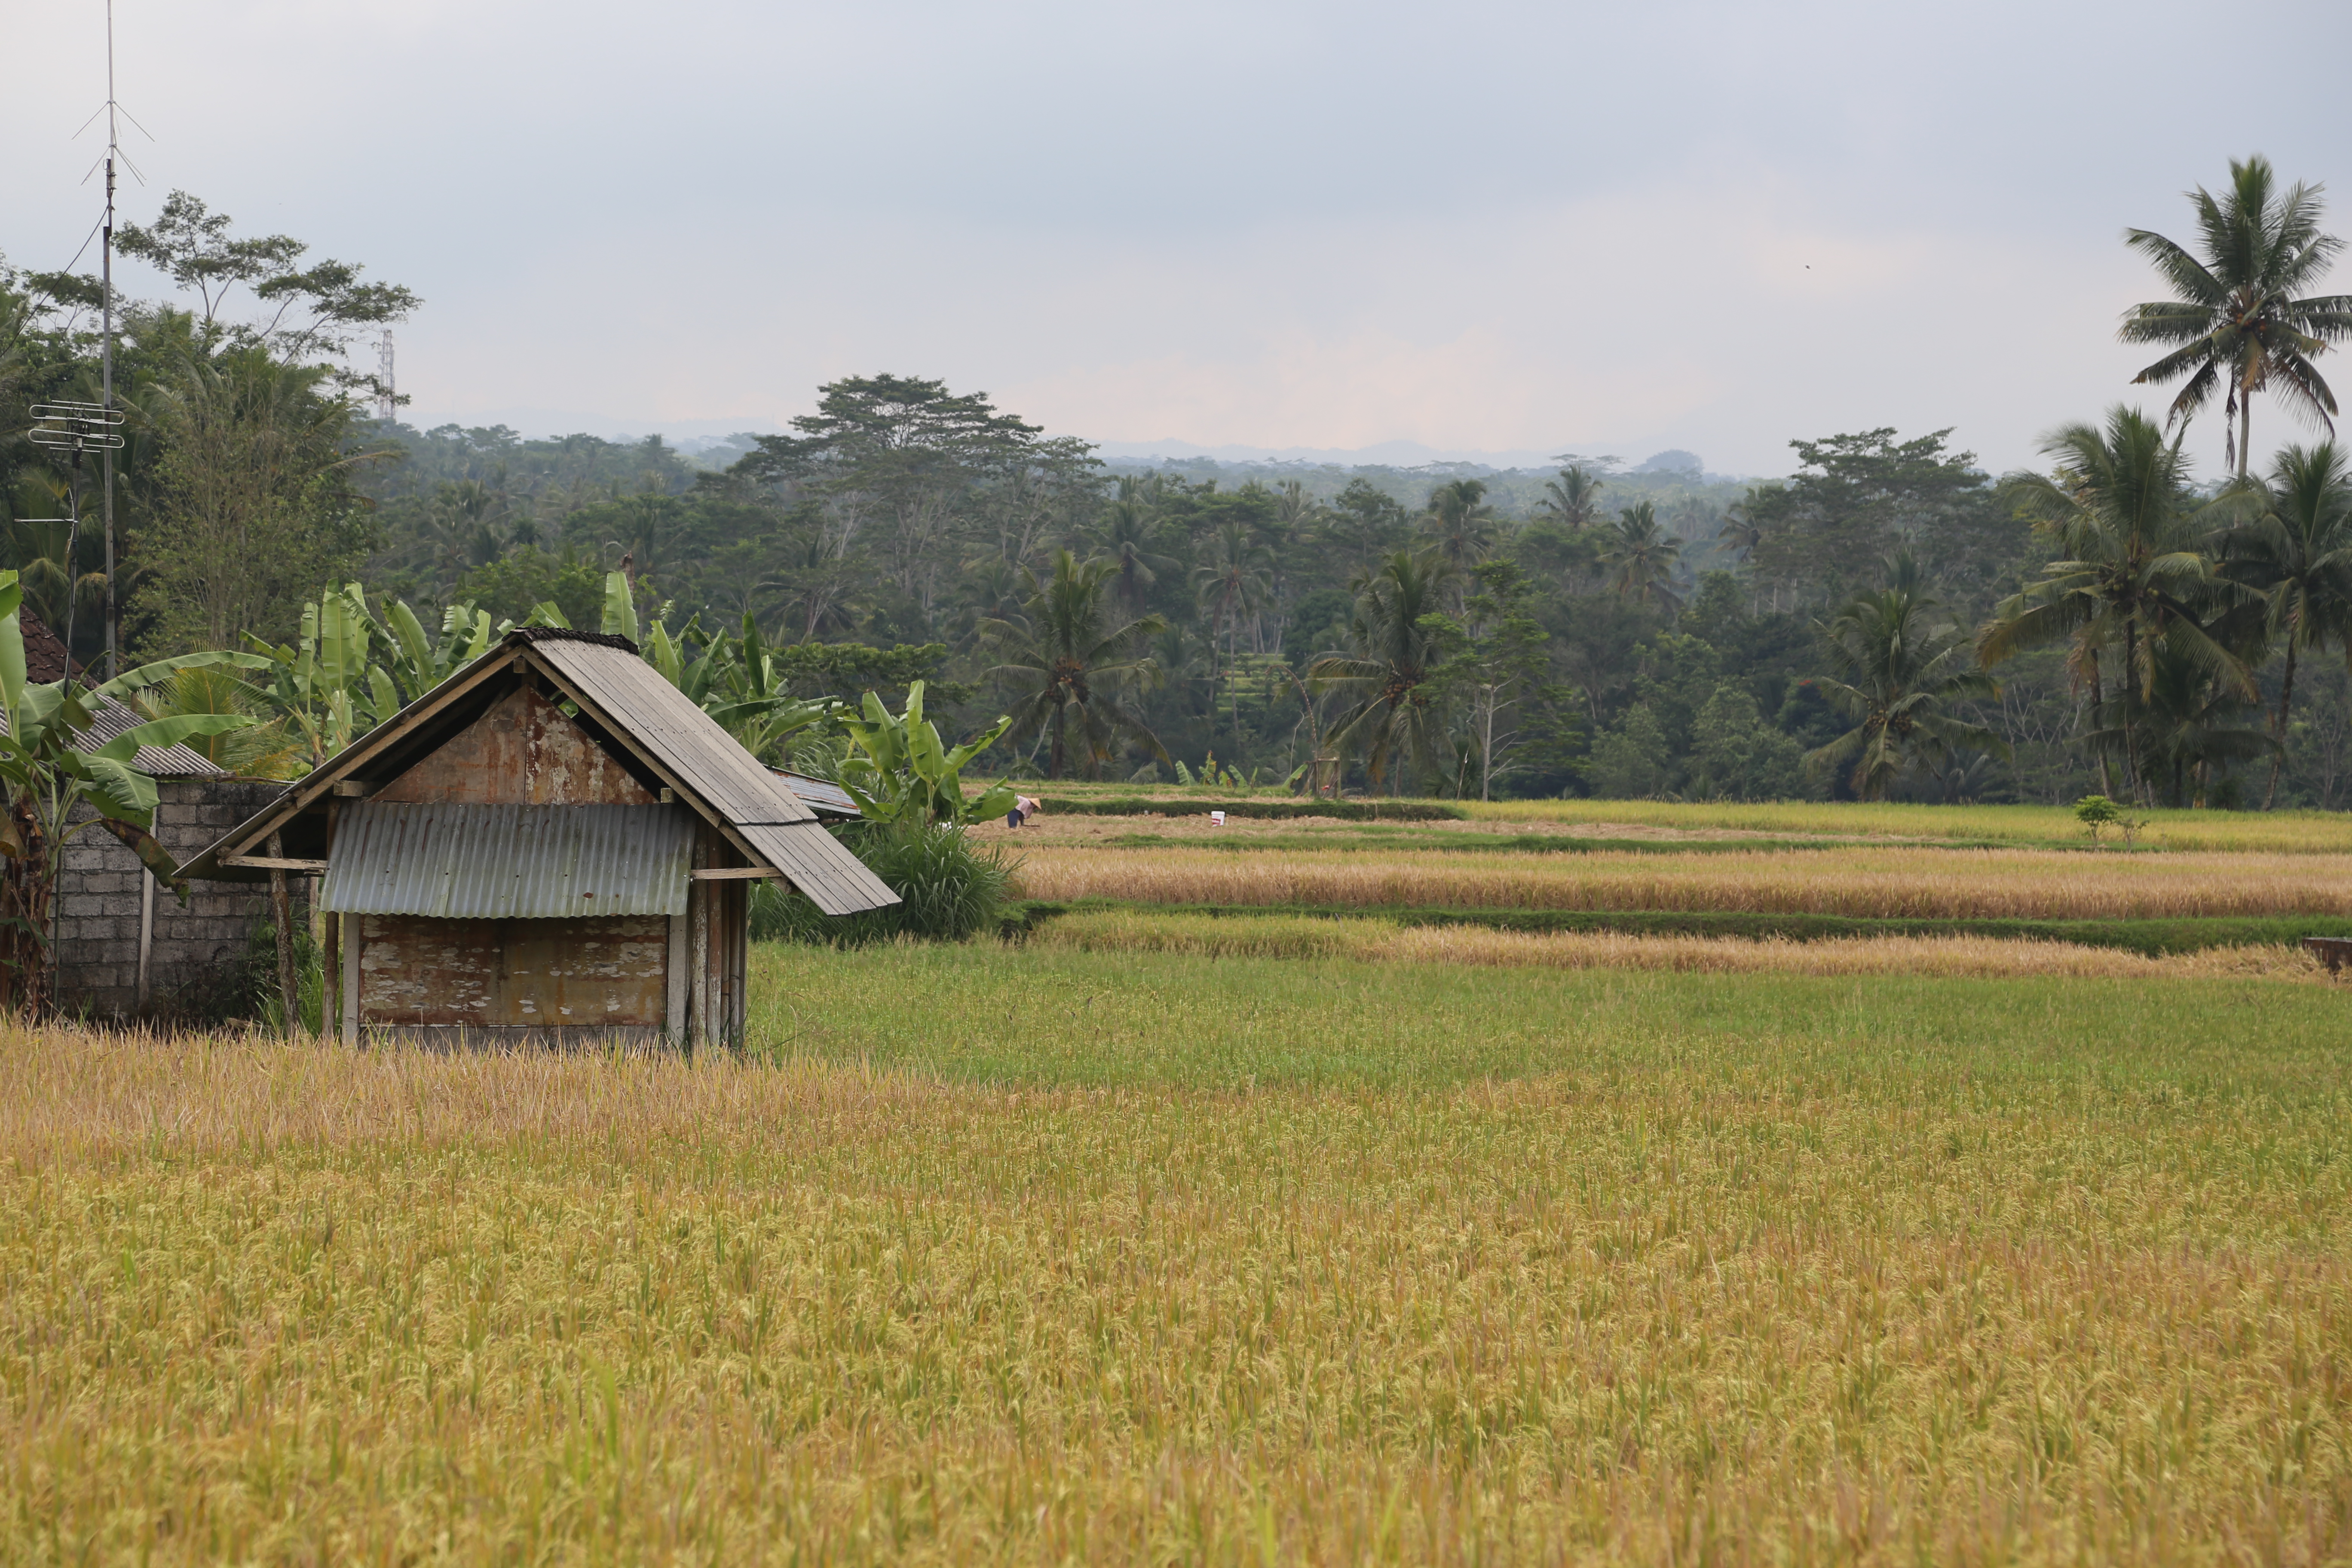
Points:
x=1483, y=227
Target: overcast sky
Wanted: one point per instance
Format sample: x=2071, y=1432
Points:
x=1478, y=228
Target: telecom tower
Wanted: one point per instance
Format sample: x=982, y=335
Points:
x=385, y=403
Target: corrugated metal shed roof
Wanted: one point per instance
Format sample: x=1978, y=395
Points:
x=714, y=765
x=514, y=862
x=823, y=796
x=109, y=719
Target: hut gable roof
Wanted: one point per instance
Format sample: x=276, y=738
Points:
x=624, y=704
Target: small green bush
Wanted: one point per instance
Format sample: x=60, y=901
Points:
x=949, y=889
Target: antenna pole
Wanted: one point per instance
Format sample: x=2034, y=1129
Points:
x=106, y=353
x=387, y=404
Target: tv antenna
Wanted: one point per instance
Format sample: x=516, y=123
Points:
x=114, y=114
x=386, y=402
x=78, y=428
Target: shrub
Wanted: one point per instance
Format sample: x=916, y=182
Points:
x=949, y=888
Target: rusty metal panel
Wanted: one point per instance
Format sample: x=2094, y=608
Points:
x=533, y=862
x=524, y=752
x=416, y=972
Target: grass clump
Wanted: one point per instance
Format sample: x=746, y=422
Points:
x=948, y=888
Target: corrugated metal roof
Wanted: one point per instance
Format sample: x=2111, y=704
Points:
x=109, y=717
x=521, y=862
x=821, y=796
x=714, y=765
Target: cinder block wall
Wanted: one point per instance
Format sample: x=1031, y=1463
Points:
x=194, y=945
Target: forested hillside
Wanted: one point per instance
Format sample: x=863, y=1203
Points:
x=1889, y=620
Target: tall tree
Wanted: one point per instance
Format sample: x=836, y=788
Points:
x=1461, y=525
x=1573, y=499
x=1641, y=556
x=1393, y=712
x=1070, y=662
x=2297, y=553
x=905, y=453
x=2235, y=323
x=1901, y=665
x=253, y=504
x=2132, y=577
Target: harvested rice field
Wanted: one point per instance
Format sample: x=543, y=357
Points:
x=1374, y=940
x=1878, y=881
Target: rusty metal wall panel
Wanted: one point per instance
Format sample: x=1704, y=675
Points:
x=524, y=752
x=415, y=972
x=532, y=862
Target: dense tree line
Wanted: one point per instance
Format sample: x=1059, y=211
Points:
x=1890, y=619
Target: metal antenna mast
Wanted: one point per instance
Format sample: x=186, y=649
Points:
x=386, y=402
x=106, y=342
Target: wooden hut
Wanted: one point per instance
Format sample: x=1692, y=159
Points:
x=554, y=842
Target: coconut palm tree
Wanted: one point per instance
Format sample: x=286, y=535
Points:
x=1234, y=579
x=2132, y=576
x=1461, y=524
x=1574, y=498
x=1901, y=664
x=2297, y=553
x=1392, y=711
x=1070, y=661
x=1125, y=533
x=2236, y=323
x=1641, y=556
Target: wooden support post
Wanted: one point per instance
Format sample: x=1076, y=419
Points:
x=281, y=913
x=350, y=977
x=675, y=972
x=146, y=934
x=330, y=930
x=698, y=905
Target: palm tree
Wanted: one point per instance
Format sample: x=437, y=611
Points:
x=2236, y=319
x=1233, y=580
x=1643, y=555
x=1461, y=525
x=2132, y=573
x=1574, y=498
x=2188, y=724
x=1069, y=666
x=1903, y=662
x=1126, y=532
x=1394, y=710
x=2298, y=555
x=1741, y=530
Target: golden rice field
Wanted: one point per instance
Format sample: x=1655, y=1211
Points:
x=1373, y=939
x=1907, y=882
x=2281, y=832
x=1734, y=1295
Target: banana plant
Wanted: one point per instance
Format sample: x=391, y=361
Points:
x=51, y=777
x=328, y=684
x=906, y=775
